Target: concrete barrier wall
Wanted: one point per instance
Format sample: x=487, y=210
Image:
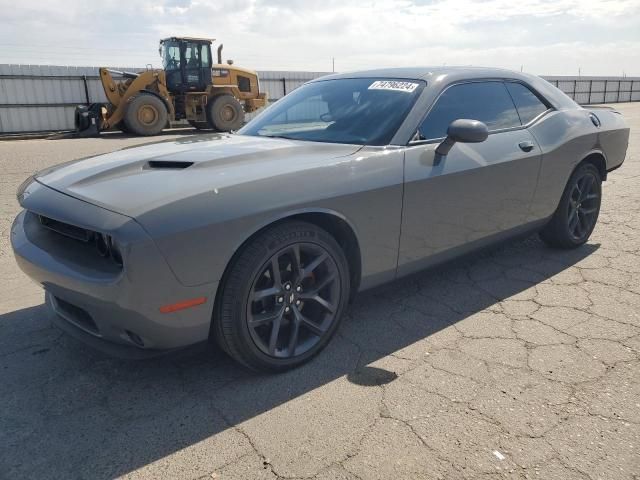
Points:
x=37, y=98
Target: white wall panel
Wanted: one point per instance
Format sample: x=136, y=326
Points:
x=47, y=104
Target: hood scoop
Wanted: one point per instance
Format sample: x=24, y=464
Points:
x=167, y=165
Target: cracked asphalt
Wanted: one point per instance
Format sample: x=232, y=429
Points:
x=520, y=362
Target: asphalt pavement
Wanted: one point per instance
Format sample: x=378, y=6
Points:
x=520, y=362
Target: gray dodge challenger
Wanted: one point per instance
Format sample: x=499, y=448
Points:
x=258, y=240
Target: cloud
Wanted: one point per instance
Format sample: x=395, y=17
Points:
x=543, y=36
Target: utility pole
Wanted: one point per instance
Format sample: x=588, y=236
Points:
x=333, y=64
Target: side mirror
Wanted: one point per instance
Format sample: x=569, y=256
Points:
x=464, y=131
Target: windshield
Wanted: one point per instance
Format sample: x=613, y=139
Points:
x=364, y=111
x=170, y=53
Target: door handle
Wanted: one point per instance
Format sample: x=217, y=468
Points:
x=526, y=146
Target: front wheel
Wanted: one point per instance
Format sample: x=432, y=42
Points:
x=283, y=298
x=577, y=213
x=146, y=115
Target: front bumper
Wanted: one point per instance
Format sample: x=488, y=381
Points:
x=101, y=303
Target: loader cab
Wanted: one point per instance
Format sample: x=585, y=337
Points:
x=187, y=64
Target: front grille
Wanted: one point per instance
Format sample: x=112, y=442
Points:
x=92, y=242
x=65, y=229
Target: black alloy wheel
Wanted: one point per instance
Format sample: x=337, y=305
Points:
x=584, y=205
x=575, y=218
x=283, y=298
x=293, y=300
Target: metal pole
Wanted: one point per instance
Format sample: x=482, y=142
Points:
x=333, y=64
x=590, y=85
x=284, y=86
x=86, y=89
x=604, y=100
x=618, y=95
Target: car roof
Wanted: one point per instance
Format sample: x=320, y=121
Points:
x=437, y=77
x=426, y=73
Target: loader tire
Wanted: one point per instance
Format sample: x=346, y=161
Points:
x=225, y=113
x=146, y=115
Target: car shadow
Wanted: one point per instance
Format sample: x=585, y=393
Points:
x=70, y=412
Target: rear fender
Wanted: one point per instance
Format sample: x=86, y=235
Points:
x=215, y=90
x=613, y=136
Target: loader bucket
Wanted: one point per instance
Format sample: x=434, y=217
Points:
x=87, y=120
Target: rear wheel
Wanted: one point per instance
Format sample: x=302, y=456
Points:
x=577, y=214
x=225, y=113
x=146, y=115
x=283, y=298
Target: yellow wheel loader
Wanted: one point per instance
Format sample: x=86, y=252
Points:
x=190, y=87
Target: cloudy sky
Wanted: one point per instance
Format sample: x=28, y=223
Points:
x=551, y=37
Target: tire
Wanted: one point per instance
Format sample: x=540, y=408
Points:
x=199, y=125
x=254, y=302
x=81, y=118
x=146, y=115
x=575, y=218
x=225, y=113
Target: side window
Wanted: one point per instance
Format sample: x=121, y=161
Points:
x=244, y=83
x=488, y=102
x=205, y=56
x=529, y=106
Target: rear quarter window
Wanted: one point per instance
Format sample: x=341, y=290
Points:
x=528, y=104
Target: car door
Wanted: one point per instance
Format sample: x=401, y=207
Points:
x=478, y=190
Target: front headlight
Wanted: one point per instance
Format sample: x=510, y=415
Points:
x=108, y=247
x=114, y=248
x=22, y=192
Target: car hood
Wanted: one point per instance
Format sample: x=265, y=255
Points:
x=135, y=180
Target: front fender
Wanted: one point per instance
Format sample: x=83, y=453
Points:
x=199, y=234
x=280, y=216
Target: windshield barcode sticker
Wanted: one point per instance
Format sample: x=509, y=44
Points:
x=393, y=85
